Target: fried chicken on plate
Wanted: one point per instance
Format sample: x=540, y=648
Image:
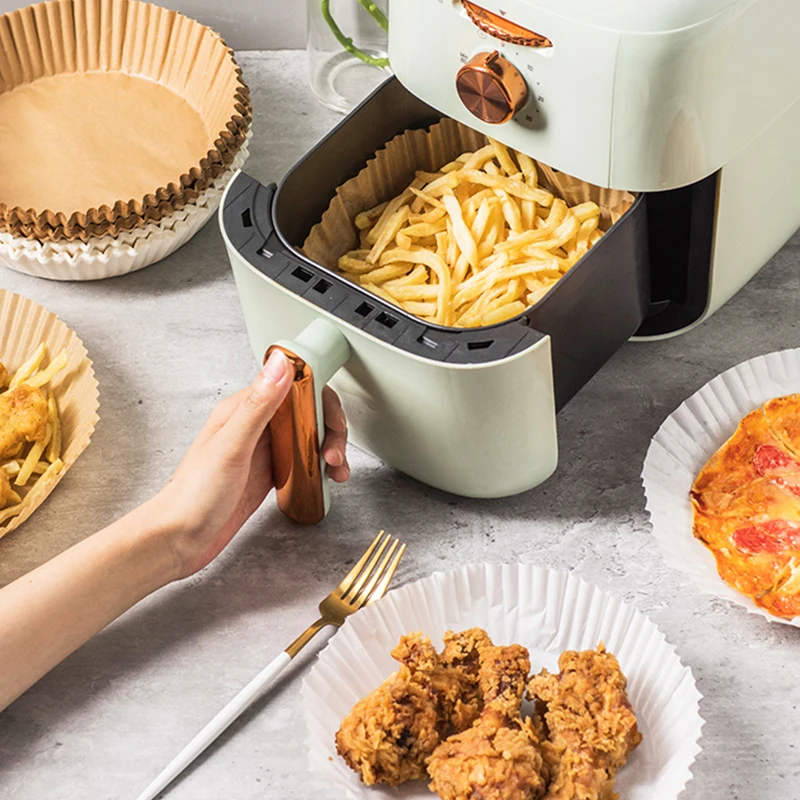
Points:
x=23, y=418
x=498, y=758
x=590, y=724
x=3, y=376
x=389, y=734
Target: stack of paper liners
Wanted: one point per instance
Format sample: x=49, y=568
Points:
x=23, y=326
x=124, y=37
x=392, y=169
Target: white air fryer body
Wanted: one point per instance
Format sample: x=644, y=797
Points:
x=642, y=96
x=485, y=430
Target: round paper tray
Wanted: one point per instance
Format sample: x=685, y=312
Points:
x=547, y=612
x=108, y=256
x=23, y=326
x=684, y=443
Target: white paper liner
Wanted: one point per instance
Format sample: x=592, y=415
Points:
x=685, y=442
x=111, y=256
x=547, y=612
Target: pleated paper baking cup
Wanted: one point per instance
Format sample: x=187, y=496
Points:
x=115, y=113
x=547, y=612
x=683, y=445
x=111, y=256
x=24, y=325
x=393, y=167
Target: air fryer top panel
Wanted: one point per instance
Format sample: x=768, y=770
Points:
x=589, y=313
x=622, y=15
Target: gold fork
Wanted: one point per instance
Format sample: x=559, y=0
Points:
x=365, y=583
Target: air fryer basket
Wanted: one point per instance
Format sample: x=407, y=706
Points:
x=588, y=315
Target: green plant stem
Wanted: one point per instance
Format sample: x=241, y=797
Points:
x=346, y=42
x=375, y=13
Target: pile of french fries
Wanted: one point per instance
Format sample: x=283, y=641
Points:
x=42, y=460
x=473, y=244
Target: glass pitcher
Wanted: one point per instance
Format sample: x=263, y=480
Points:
x=347, y=44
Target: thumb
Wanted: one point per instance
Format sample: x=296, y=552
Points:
x=259, y=402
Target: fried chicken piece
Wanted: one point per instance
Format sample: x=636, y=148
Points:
x=590, y=724
x=389, y=734
x=3, y=376
x=5, y=489
x=457, y=682
x=23, y=418
x=498, y=758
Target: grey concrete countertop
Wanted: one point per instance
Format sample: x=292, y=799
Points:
x=167, y=343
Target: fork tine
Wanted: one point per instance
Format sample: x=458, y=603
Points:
x=360, y=599
x=345, y=585
x=367, y=571
x=380, y=589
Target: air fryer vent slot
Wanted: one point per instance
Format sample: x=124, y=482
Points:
x=302, y=274
x=384, y=319
x=247, y=218
x=480, y=345
x=321, y=286
x=365, y=309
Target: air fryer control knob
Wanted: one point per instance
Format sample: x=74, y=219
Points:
x=491, y=88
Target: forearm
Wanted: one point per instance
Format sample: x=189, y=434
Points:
x=50, y=612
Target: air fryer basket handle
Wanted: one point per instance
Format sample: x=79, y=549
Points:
x=297, y=430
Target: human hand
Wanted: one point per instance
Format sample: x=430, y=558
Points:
x=227, y=472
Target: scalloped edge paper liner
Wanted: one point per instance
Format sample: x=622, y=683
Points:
x=139, y=39
x=684, y=443
x=107, y=256
x=547, y=612
x=392, y=169
x=23, y=326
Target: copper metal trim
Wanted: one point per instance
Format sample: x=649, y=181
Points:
x=295, y=447
x=503, y=29
x=491, y=88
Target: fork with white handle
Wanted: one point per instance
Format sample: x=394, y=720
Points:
x=365, y=583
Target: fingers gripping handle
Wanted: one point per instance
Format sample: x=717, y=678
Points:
x=298, y=429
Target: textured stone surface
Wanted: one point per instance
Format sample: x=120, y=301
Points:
x=167, y=343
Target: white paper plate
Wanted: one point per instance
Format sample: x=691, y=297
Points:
x=685, y=442
x=110, y=256
x=547, y=612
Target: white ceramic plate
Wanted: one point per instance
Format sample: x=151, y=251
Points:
x=685, y=442
x=547, y=612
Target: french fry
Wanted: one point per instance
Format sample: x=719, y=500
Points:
x=461, y=232
x=28, y=368
x=47, y=374
x=473, y=243
x=366, y=219
x=32, y=459
x=50, y=473
x=53, y=450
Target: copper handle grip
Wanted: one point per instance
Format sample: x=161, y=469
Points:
x=295, y=447
x=500, y=28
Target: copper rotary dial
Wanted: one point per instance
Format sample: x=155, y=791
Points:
x=491, y=88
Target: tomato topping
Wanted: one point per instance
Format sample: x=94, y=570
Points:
x=768, y=458
x=773, y=536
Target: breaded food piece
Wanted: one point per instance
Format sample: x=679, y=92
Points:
x=5, y=489
x=590, y=724
x=457, y=682
x=23, y=418
x=3, y=376
x=389, y=734
x=498, y=758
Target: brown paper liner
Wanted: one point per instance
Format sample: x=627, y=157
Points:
x=392, y=170
x=23, y=326
x=139, y=40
